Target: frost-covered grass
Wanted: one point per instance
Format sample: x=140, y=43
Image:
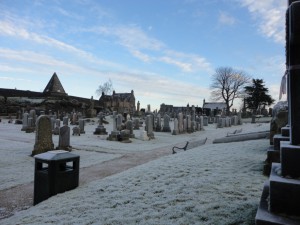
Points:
x=211, y=184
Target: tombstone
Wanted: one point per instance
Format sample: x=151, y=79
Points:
x=25, y=122
x=64, y=138
x=176, y=129
x=114, y=133
x=180, y=123
x=30, y=125
x=129, y=126
x=189, y=123
x=76, y=131
x=205, y=121
x=136, y=123
x=166, y=126
x=201, y=123
x=74, y=119
x=100, y=130
x=81, y=126
x=53, y=121
x=150, y=127
x=32, y=114
x=119, y=122
x=43, y=136
x=57, y=127
x=66, y=120
x=185, y=125
x=158, y=123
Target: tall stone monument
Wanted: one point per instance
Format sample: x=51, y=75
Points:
x=280, y=202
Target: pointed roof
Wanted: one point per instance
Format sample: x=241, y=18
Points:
x=54, y=87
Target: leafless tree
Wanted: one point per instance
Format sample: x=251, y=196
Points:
x=106, y=88
x=227, y=85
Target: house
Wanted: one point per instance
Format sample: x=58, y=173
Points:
x=120, y=102
x=213, y=107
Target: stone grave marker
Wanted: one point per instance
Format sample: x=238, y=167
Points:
x=43, y=137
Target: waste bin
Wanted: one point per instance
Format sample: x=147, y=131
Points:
x=55, y=172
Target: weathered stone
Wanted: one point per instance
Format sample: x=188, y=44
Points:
x=43, y=137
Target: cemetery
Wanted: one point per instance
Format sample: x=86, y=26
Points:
x=114, y=163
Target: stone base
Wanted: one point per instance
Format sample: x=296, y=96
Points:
x=151, y=135
x=273, y=156
x=290, y=160
x=100, y=130
x=277, y=139
x=284, y=193
x=285, y=131
x=264, y=217
x=113, y=136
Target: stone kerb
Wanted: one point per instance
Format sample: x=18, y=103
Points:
x=43, y=136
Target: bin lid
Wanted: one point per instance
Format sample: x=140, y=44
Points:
x=56, y=155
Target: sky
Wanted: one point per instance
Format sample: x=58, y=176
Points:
x=164, y=50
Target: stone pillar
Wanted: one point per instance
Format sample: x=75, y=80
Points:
x=180, y=123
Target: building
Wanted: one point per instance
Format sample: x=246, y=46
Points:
x=120, y=102
x=213, y=107
x=54, y=98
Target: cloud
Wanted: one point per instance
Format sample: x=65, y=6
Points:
x=270, y=17
x=226, y=19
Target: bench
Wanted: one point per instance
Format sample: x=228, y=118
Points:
x=235, y=132
x=184, y=148
x=189, y=145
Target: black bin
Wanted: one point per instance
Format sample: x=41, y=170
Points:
x=55, y=172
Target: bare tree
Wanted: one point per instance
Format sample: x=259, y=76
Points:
x=227, y=85
x=106, y=88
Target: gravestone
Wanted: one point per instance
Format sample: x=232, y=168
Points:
x=175, y=130
x=76, y=131
x=57, y=126
x=25, y=122
x=136, y=123
x=100, y=130
x=189, y=124
x=158, y=123
x=113, y=136
x=81, y=126
x=129, y=127
x=149, y=121
x=166, y=126
x=43, y=136
x=66, y=120
x=180, y=123
x=64, y=138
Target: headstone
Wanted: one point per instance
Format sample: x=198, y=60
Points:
x=150, y=127
x=129, y=126
x=43, y=137
x=76, y=131
x=189, y=123
x=57, y=127
x=175, y=130
x=64, y=138
x=81, y=126
x=205, y=121
x=25, y=122
x=100, y=130
x=119, y=122
x=136, y=123
x=66, y=120
x=180, y=123
x=166, y=126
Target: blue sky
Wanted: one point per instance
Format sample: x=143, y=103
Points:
x=164, y=50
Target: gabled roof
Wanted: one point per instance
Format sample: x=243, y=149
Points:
x=54, y=87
